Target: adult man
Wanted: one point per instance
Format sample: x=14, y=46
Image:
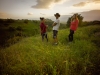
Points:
x=56, y=25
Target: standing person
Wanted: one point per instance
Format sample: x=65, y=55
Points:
x=73, y=26
x=56, y=25
x=43, y=29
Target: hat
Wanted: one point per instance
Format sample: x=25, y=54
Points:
x=57, y=14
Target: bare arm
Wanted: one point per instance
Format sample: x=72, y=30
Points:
x=54, y=24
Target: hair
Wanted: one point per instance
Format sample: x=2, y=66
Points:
x=41, y=18
x=76, y=18
x=57, y=14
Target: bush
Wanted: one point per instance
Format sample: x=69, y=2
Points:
x=2, y=21
x=13, y=40
x=26, y=21
x=6, y=24
x=11, y=29
x=10, y=21
x=86, y=23
x=19, y=34
x=19, y=28
x=35, y=31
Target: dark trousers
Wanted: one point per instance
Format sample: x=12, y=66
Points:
x=44, y=35
x=71, y=35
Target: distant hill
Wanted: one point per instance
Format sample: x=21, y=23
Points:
x=88, y=16
x=63, y=18
x=91, y=15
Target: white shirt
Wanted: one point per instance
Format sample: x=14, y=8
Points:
x=56, y=27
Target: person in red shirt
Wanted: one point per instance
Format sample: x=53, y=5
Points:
x=73, y=26
x=43, y=29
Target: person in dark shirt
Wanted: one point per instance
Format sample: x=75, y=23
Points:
x=43, y=29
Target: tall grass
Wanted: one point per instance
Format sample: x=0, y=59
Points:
x=31, y=56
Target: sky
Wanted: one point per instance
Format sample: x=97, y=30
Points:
x=33, y=9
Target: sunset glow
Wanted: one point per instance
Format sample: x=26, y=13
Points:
x=32, y=9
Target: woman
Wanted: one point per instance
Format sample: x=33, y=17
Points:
x=43, y=29
x=73, y=26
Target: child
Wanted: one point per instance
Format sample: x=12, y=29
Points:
x=43, y=29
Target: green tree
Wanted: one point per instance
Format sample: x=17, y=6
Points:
x=80, y=20
x=49, y=22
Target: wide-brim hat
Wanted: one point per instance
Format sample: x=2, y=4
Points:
x=57, y=14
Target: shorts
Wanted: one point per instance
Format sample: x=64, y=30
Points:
x=55, y=32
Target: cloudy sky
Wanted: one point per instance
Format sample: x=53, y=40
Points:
x=33, y=9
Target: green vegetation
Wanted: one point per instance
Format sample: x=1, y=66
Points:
x=13, y=30
x=31, y=56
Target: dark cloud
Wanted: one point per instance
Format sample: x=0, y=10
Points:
x=46, y=4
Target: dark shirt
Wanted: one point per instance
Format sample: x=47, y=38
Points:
x=43, y=28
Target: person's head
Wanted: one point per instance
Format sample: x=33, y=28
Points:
x=57, y=15
x=42, y=19
x=75, y=16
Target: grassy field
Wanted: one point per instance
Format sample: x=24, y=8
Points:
x=31, y=56
x=10, y=33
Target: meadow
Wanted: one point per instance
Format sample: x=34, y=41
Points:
x=12, y=31
x=31, y=56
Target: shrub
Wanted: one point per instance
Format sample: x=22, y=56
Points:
x=13, y=40
x=10, y=21
x=6, y=24
x=35, y=31
x=2, y=21
x=26, y=21
x=11, y=29
x=19, y=28
x=19, y=34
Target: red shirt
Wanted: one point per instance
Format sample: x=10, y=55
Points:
x=74, y=25
x=43, y=27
